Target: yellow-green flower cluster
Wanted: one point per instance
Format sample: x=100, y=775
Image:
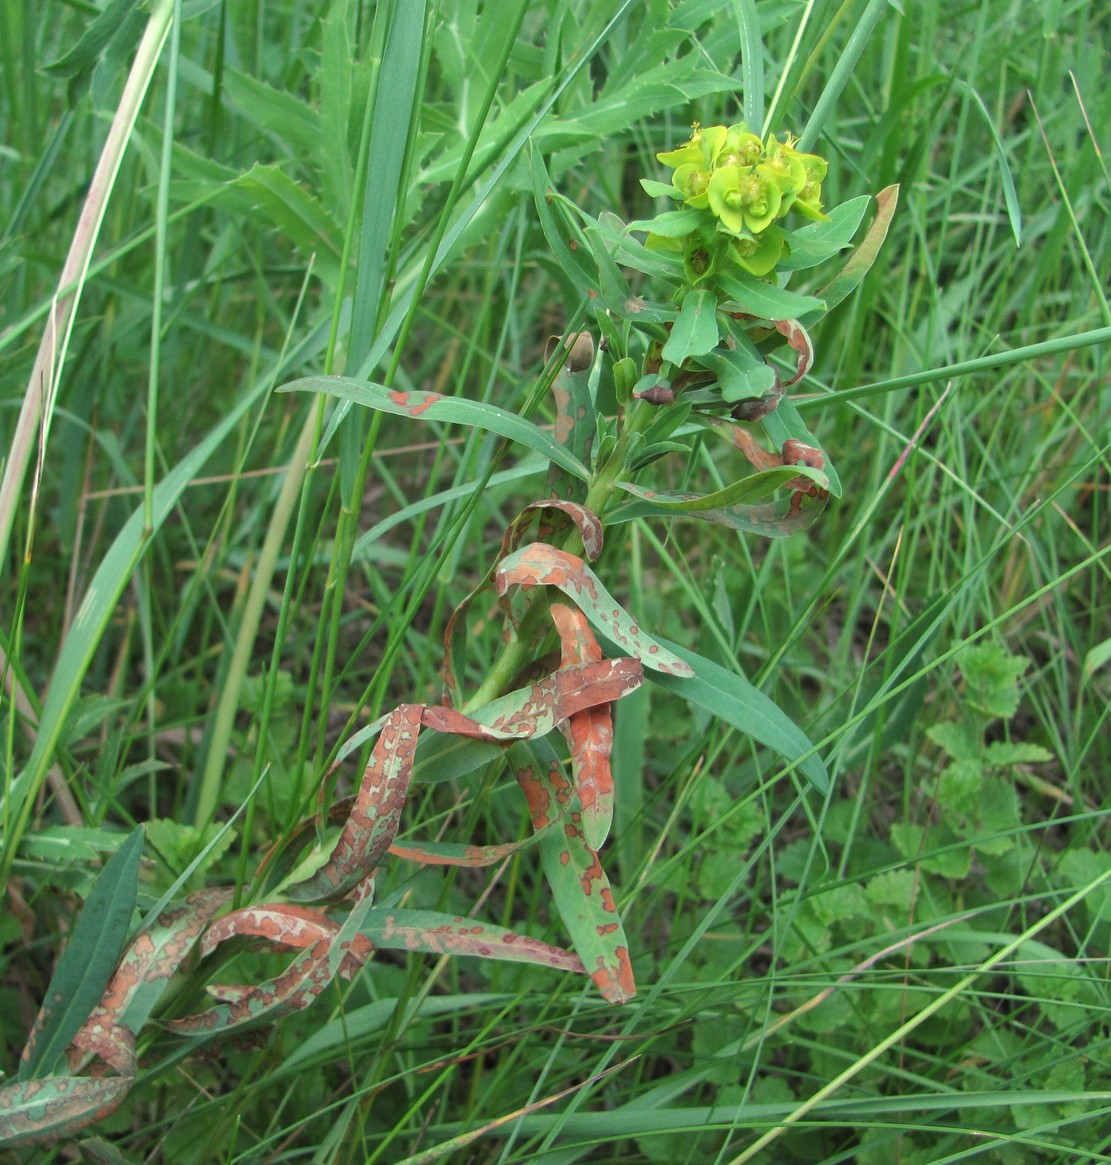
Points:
x=747, y=185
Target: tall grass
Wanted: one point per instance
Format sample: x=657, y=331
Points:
x=208, y=586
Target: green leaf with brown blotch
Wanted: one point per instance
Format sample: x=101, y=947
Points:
x=859, y=263
x=755, y=487
x=433, y=406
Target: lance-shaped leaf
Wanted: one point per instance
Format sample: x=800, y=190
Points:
x=779, y=518
x=818, y=241
x=433, y=406
x=446, y=934
x=565, y=241
x=155, y=956
x=34, y=1111
x=450, y=853
x=372, y=823
x=859, y=263
x=580, y=888
x=539, y=564
x=729, y=696
x=589, y=733
x=446, y=853
x=294, y=989
x=755, y=487
x=537, y=709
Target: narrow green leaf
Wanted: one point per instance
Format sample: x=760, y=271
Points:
x=752, y=65
x=730, y=697
x=779, y=518
x=567, y=244
x=431, y=406
x=94, y=40
x=755, y=487
x=395, y=112
x=87, y=963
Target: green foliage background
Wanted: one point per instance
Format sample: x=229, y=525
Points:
x=912, y=969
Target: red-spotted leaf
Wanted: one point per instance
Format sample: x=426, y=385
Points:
x=539, y=564
x=590, y=532
x=34, y=1111
x=589, y=733
x=580, y=888
x=537, y=709
x=140, y=981
x=280, y=926
x=451, y=853
x=305, y=978
x=445, y=934
x=372, y=823
x=585, y=521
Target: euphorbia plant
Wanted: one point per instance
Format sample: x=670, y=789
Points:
x=689, y=355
